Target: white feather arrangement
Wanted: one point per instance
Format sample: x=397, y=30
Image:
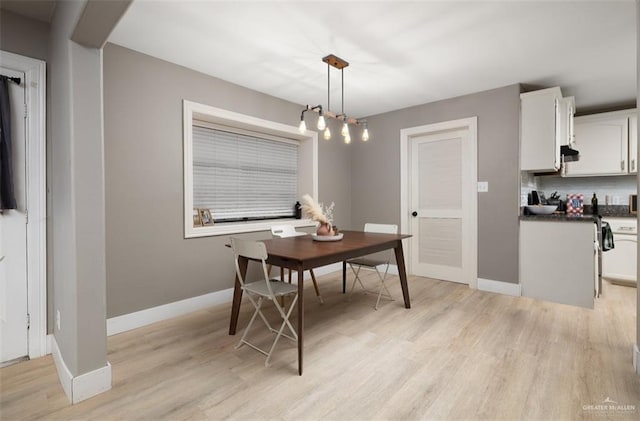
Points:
x=315, y=211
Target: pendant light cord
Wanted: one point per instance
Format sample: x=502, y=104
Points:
x=328, y=87
x=342, y=82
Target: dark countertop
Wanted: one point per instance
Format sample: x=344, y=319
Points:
x=612, y=211
x=606, y=211
x=557, y=217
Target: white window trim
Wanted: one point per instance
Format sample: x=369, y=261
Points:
x=307, y=168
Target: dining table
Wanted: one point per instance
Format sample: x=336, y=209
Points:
x=304, y=252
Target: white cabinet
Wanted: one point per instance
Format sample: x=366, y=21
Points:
x=605, y=142
x=558, y=261
x=633, y=143
x=546, y=123
x=565, y=113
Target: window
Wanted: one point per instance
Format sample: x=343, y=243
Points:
x=246, y=172
x=243, y=177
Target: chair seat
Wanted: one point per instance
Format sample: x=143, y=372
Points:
x=364, y=261
x=278, y=288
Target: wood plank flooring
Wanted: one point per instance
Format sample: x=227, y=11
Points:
x=456, y=354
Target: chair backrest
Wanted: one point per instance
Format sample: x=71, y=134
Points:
x=250, y=249
x=381, y=228
x=284, y=231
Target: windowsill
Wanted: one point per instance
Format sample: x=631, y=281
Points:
x=228, y=228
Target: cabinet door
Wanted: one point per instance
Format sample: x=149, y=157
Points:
x=539, y=142
x=633, y=144
x=602, y=143
x=564, y=121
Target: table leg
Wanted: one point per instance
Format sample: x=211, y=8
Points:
x=402, y=271
x=300, y=317
x=344, y=276
x=237, y=295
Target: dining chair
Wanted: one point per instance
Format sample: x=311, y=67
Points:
x=373, y=263
x=270, y=289
x=284, y=231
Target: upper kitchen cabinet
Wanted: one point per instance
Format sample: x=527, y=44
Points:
x=607, y=143
x=633, y=143
x=546, y=124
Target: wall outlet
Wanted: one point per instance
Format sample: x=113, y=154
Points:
x=483, y=186
x=58, y=319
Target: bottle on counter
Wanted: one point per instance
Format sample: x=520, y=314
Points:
x=298, y=210
x=594, y=204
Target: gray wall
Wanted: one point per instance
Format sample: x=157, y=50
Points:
x=24, y=36
x=376, y=171
x=149, y=263
x=77, y=195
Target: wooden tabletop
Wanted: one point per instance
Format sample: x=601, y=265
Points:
x=293, y=251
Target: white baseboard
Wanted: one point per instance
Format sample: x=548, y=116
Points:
x=636, y=358
x=84, y=386
x=65, y=376
x=324, y=270
x=92, y=383
x=393, y=269
x=499, y=287
x=151, y=315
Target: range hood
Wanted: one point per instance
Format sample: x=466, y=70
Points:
x=569, y=154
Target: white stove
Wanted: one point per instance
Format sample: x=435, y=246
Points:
x=620, y=264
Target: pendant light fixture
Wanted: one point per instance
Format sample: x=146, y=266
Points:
x=340, y=64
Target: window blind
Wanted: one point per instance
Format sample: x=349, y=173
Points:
x=242, y=177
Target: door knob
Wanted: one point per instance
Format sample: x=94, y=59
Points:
x=414, y=213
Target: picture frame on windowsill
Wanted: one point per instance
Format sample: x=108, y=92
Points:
x=197, y=220
x=205, y=217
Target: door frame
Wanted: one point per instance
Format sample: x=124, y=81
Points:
x=471, y=125
x=36, y=155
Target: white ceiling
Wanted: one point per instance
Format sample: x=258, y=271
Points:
x=400, y=53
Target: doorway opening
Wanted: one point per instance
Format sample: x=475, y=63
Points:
x=30, y=265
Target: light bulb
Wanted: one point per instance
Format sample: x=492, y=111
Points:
x=347, y=138
x=365, y=134
x=302, y=127
x=345, y=128
x=321, y=123
x=327, y=133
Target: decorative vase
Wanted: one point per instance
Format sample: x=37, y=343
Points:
x=325, y=229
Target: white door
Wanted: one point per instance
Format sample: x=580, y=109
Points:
x=13, y=239
x=442, y=206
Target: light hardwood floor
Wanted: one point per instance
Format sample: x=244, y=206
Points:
x=456, y=354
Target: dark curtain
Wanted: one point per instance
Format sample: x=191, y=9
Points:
x=7, y=197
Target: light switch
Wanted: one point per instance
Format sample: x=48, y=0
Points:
x=483, y=186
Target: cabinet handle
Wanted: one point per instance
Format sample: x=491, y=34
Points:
x=633, y=165
x=622, y=165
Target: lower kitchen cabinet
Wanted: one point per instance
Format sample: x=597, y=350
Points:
x=559, y=261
